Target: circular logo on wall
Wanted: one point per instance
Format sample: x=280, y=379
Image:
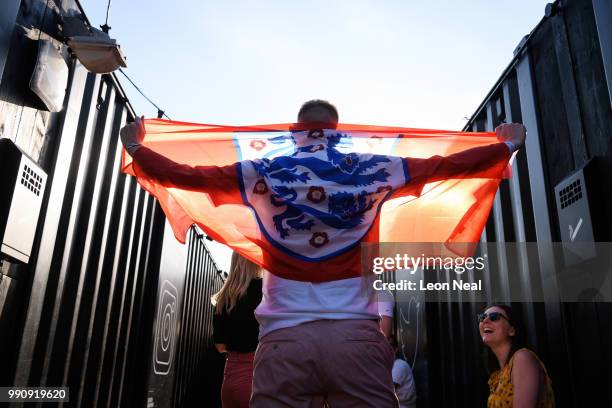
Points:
x=165, y=328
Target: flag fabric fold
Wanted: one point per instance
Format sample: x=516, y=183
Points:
x=300, y=199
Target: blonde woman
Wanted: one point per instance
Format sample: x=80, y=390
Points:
x=236, y=331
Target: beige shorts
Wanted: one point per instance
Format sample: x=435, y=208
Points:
x=348, y=362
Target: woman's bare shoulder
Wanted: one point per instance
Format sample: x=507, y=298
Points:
x=525, y=358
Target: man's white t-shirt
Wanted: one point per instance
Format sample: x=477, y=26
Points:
x=288, y=303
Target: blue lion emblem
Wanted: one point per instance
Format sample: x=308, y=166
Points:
x=340, y=168
x=345, y=209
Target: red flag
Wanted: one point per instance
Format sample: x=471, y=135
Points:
x=300, y=200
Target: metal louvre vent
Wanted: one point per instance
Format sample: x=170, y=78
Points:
x=570, y=194
x=31, y=180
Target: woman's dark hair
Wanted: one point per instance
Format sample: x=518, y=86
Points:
x=518, y=340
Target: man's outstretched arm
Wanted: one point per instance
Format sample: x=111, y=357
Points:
x=486, y=161
x=221, y=181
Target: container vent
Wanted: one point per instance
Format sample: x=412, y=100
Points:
x=570, y=194
x=31, y=180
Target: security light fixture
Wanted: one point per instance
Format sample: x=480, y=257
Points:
x=93, y=48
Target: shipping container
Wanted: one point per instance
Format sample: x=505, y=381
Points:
x=558, y=84
x=107, y=302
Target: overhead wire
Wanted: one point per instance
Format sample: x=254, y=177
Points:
x=160, y=113
x=107, y=12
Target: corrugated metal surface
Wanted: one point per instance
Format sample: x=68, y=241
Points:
x=556, y=86
x=82, y=312
x=96, y=258
x=203, y=279
x=186, y=369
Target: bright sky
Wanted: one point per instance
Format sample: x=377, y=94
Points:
x=409, y=63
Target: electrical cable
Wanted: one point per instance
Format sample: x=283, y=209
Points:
x=160, y=112
x=107, y=12
x=106, y=28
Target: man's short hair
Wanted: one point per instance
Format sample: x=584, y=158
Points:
x=317, y=108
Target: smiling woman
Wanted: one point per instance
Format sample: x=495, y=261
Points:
x=517, y=376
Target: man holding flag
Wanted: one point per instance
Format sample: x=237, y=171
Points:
x=302, y=212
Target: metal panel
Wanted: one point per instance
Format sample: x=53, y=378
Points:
x=499, y=234
x=569, y=92
x=8, y=13
x=119, y=278
x=522, y=212
x=51, y=226
x=97, y=260
x=542, y=220
x=107, y=241
x=97, y=202
x=537, y=176
x=116, y=259
x=186, y=368
x=202, y=280
x=603, y=18
x=168, y=330
x=9, y=292
x=70, y=247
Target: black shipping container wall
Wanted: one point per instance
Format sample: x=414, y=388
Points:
x=167, y=322
x=83, y=312
x=186, y=369
x=200, y=366
x=558, y=85
x=7, y=22
x=411, y=331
